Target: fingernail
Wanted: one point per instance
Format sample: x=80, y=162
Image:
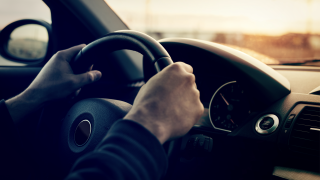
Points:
x=97, y=75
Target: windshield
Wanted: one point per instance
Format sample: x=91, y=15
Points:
x=272, y=31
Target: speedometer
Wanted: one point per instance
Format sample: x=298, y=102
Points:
x=228, y=107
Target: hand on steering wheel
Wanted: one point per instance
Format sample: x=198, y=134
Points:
x=169, y=104
x=55, y=81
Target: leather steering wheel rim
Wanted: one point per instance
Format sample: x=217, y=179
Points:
x=152, y=51
x=154, y=54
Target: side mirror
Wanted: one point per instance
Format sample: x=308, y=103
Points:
x=28, y=41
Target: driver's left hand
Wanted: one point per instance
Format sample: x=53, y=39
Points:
x=55, y=81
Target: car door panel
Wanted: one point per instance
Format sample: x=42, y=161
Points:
x=14, y=80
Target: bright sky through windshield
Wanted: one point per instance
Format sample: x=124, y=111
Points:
x=272, y=17
x=273, y=31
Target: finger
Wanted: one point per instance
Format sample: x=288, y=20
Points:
x=91, y=67
x=76, y=93
x=186, y=67
x=71, y=52
x=87, y=78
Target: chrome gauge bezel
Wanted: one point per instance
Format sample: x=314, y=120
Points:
x=211, y=104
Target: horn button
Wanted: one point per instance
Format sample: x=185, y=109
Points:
x=82, y=133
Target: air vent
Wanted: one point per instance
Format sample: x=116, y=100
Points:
x=305, y=136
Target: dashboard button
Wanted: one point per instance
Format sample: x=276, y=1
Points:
x=82, y=133
x=289, y=121
x=266, y=123
x=290, y=118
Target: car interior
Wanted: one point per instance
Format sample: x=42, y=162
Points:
x=261, y=121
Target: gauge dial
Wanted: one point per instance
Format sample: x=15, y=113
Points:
x=228, y=107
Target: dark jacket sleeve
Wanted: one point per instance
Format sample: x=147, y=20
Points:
x=7, y=130
x=10, y=155
x=129, y=151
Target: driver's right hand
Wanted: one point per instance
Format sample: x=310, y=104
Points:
x=168, y=105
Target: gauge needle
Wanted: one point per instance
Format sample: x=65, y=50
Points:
x=224, y=99
x=227, y=105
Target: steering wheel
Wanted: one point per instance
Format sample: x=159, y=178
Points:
x=61, y=143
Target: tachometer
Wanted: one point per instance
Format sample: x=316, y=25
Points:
x=228, y=107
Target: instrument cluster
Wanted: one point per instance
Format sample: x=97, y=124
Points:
x=228, y=108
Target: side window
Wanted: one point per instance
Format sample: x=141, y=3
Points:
x=13, y=10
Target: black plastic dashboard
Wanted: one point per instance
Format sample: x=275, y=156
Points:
x=245, y=153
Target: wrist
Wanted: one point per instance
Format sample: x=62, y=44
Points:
x=23, y=104
x=33, y=97
x=156, y=128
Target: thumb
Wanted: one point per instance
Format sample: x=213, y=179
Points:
x=87, y=78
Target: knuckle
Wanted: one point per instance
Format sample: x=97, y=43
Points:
x=189, y=66
x=176, y=67
x=60, y=55
x=190, y=78
x=197, y=93
x=180, y=63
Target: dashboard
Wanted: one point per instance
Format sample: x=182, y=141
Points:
x=268, y=132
